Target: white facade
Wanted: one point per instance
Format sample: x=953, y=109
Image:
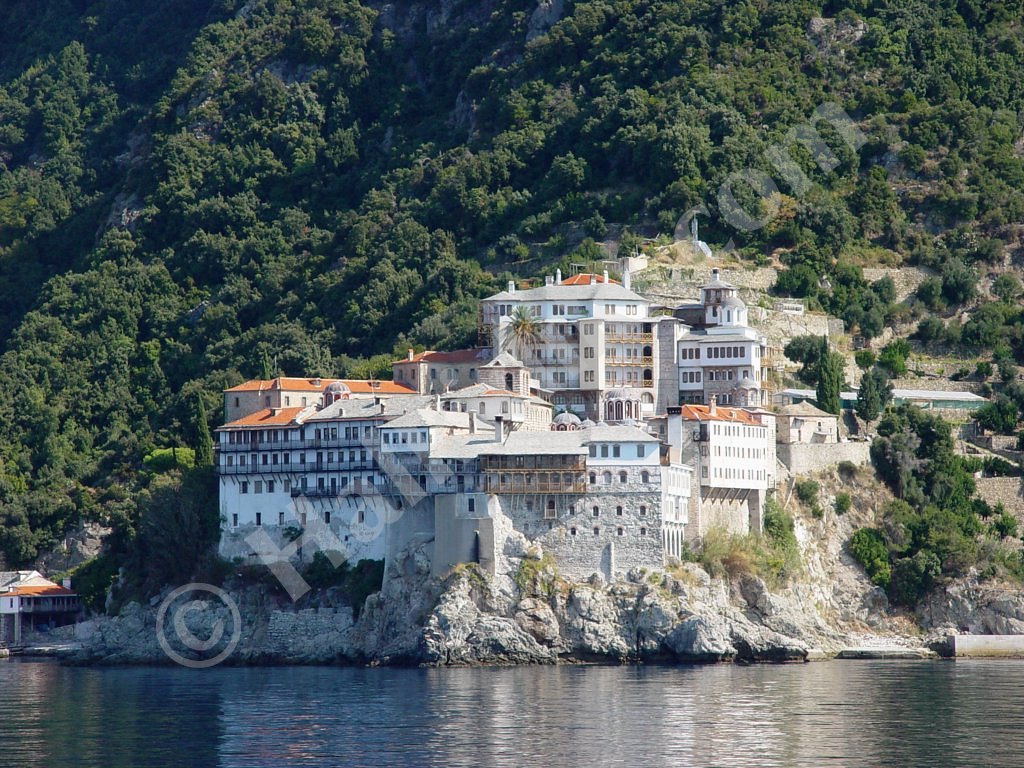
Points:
x=594, y=336
x=721, y=355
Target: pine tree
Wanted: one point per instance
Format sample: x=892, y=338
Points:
x=830, y=379
x=869, y=399
x=204, y=443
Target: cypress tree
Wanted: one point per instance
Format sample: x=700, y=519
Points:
x=830, y=379
x=869, y=399
x=204, y=443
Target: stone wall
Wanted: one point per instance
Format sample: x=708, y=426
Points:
x=802, y=459
x=1003, y=490
x=722, y=508
x=627, y=537
x=312, y=634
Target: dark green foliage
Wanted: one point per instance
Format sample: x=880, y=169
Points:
x=865, y=358
x=843, y=502
x=1006, y=287
x=1000, y=415
x=807, y=491
x=191, y=194
x=995, y=466
x=869, y=398
x=893, y=357
x=783, y=551
x=354, y=583
x=932, y=529
x=867, y=547
x=203, y=440
x=830, y=379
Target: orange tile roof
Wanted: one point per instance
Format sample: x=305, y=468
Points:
x=284, y=383
x=703, y=413
x=49, y=590
x=266, y=417
x=587, y=279
x=375, y=387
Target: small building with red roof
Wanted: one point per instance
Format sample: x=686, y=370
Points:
x=29, y=601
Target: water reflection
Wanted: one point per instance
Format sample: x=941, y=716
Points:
x=840, y=713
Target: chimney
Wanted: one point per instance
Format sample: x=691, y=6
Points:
x=511, y=286
x=714, y=274
x=590, y=278
x=606, y=275
x=558, y=277
x=674, y=433
x=627, y=283
x=382, y=408
x=411, y=354
x=713, y=406
x=499, y=429
x=472, y=422
x=437, y=402
x=549, y=280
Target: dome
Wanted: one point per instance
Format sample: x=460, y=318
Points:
x=587, y=424
x=733, y=302
x=338, y=387
x=567, y=418
x=619, y=394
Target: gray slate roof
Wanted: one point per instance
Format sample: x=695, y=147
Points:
x=567, y=293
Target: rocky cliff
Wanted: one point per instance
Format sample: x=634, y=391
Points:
x=526, y=613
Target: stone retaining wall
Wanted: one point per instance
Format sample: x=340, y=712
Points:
x=1002, y=490
x=803, y=459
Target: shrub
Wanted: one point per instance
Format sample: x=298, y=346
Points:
x=847, y=469
x=1005, y=525
x=864, y=358
x=912, y=577
x=167, y=459
x=843, y=503
x=867, y=547
x=807, y=491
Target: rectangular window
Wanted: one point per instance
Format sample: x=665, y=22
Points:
x=640, y=450
x=258, y=486
x=259, y=519
x=615, y=451
x=243, y=487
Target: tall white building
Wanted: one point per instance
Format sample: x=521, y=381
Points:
x=721, y=355
x=732, y=451
x=599, y=351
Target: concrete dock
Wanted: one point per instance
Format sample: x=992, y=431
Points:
x=987, y=646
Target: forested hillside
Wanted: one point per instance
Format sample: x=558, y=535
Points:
x=193, y=191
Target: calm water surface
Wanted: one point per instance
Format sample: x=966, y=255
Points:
x=861, y=713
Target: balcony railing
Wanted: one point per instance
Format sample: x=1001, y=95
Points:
x=311, y=466
x=295, y=445
x=629, y=338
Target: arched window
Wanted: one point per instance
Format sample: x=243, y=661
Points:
x=643, y=510
x=618, y=511
x=607, y=478
x=597, y=511
x=622, y=477
x=593, y=478
x=645, y=477
x=508, y=382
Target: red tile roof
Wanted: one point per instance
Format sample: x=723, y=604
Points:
x=266, y=417
x=375, y=387
x=703, y=413
x=284, y=383
x=587, y=279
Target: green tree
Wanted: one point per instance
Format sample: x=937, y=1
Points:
x=830, y=379
x=203, y=440
x=523, y=333
x=869, y=400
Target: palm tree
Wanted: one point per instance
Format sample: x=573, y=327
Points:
x=523, y=334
